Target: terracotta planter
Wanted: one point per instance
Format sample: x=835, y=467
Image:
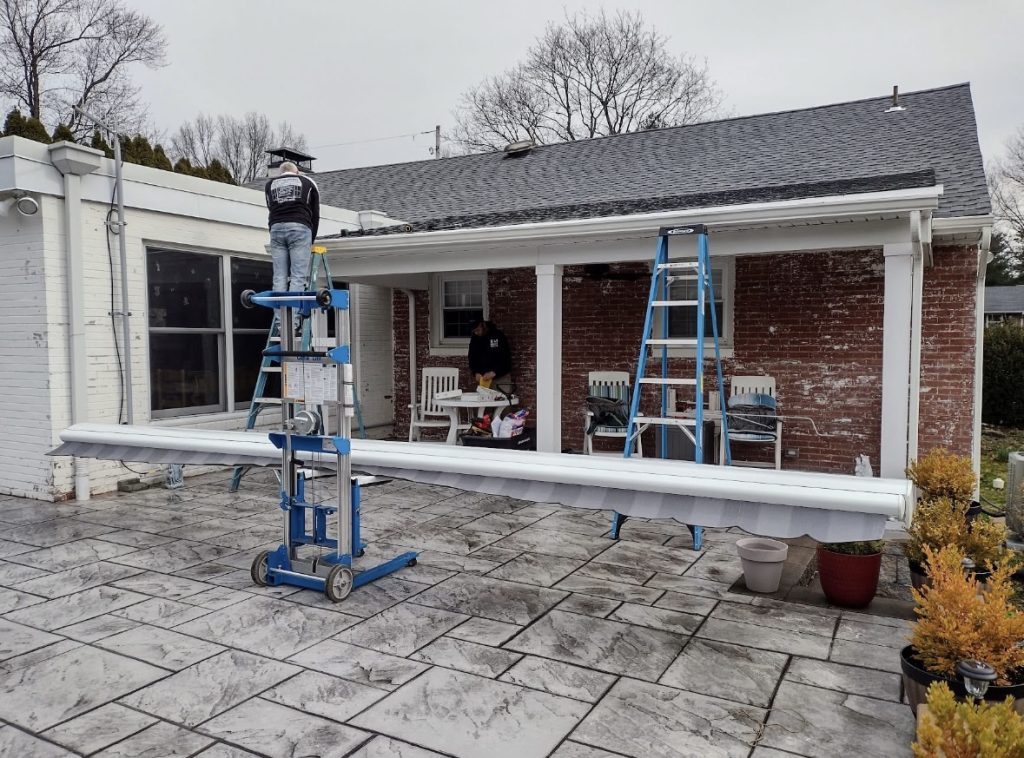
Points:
x=762, y=561
x=916, y=680
x=848, y=580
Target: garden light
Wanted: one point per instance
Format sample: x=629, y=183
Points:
x=977, y=676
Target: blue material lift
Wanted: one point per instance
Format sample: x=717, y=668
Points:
x=665, y=272
x=307, y=556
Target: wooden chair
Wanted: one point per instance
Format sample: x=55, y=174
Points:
x=426, y=414
x=614, y=385
x=755, y=390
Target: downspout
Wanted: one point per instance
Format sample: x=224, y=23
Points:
x=921, y=237
x=412, y=350
x=73, y=161
x=984, y=257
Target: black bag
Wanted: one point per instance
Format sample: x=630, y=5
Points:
x=607, y=411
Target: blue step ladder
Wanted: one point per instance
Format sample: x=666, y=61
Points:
x=660, y=300
x=270, y=365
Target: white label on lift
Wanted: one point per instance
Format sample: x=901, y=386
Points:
x=310, y=382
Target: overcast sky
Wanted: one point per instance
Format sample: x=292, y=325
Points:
x=344, y=72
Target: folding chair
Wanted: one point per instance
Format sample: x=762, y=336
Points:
x=613, y=385
x=753, y=415
x=426, y=414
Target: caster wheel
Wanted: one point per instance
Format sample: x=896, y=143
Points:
x=339, y=584
x=323, y=298
x=260, y=570
x=411, y=563
x=247, y=298
x=361, y=553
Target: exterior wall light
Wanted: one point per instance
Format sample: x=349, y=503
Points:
x=27, y=206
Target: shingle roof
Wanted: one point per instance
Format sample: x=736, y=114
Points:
x=1004, y=299
x=848, y=144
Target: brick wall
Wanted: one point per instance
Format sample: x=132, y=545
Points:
x=948, y=351
x=813, y=321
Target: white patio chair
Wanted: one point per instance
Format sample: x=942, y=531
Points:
x=755, y=390
x=426, y=414
x=614, y=385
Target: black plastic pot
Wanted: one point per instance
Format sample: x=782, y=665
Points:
x=916, y=680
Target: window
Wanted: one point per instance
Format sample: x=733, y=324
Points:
x=682, y=320
x=458, y=301
x=204, y=348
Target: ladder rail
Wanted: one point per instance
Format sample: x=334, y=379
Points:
x=634, y=403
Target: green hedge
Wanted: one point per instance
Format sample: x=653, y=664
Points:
x=1003, y=389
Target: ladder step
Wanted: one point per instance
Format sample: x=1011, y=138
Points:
x=660, y=380
x=672, y=303
x=682, y=278
x=670, y=421
x=678, y=264
x=271, y=369
x=690, y=341
x=267, y=400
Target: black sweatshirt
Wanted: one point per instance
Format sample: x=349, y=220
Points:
x=490, y=352
x=293, y=199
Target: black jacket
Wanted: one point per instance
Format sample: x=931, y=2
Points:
x=293, y=198
x=490, y=352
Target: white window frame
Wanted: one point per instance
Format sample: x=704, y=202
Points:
x=229, y=407
x=452, y=346
x=727, y=287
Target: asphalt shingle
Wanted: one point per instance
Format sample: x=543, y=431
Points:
x=847, y=147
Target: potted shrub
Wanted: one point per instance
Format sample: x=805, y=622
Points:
x=957, y=621
x=946, y=515
x=941, y=521
x=849, y=571
x=984, y=730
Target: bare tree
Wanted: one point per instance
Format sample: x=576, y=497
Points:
x=240, y=144
x=1006, y=185
x=589, y=76
x=59, y=53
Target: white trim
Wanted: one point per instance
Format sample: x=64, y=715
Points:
x=549, y=358
x=718, y=218
x=727, y=331
x=896, y=343
x=972, y=227
x=438, y=342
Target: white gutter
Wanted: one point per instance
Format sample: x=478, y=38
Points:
x=832, y=492
x=984, y=257
x=718, y=218
x=963, y=225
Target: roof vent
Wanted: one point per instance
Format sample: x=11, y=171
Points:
x=519, y=148
x=895, y=100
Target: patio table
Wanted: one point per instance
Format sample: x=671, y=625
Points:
x=471, y=400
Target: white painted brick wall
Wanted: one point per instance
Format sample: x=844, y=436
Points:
x=24, y=368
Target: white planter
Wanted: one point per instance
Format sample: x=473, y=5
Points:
x=762, y=561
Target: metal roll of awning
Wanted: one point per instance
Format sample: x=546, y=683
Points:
x=772, y=503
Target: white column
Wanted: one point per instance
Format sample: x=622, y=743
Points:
x=896, y=357
x=549, y=358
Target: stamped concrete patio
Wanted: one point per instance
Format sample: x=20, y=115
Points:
x=129, y=626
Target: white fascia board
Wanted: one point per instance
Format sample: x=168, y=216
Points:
x=719, y=218
x=25, y=165
x=966, y=229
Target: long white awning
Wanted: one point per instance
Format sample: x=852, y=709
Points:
x=828, y=507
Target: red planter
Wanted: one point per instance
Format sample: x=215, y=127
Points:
x=848, y=580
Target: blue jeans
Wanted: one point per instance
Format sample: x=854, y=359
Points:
x=290, y=250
